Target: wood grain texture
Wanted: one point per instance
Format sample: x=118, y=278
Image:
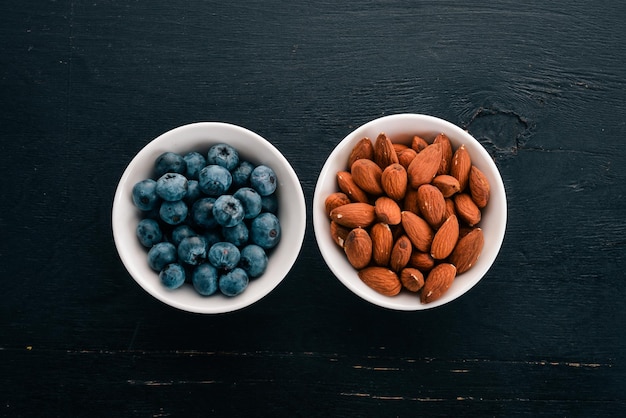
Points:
x=85, y=85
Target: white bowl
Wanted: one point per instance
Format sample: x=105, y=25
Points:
x=199, y=137
x=401, y=128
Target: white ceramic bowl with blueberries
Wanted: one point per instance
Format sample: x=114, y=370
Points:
x=401, y=128
x=209, y=217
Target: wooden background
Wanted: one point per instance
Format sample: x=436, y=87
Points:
x=85, y=85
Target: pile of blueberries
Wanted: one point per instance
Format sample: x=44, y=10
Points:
x=209, y=221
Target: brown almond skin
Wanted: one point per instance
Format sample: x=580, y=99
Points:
x=367, y=175
x=418, y=143
x=363, y=149
x=422, y=261
x=412, y=279
x=445, y=239
x=467, y=250
x=399, y=146
x=406, y=156
x=338, y=233
x=424, y=166
x=381, y=279
x=348, y=186
x=384, y=152
x=446, y=184
x=334, y=200
x=400, y=254
x=479, y=187
x=450, y=209
x=387, y=211
x=418, y=231
x=394, y=181
x=354, y=215
x=432, y=204
x=382, y=243
x=461, y=165
x=466, y=209
x=438, y=282
x=410, y=201
x=358, y=248
x=446, y=153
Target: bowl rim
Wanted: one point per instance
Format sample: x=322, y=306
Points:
x=210, y=132
x=320, y=220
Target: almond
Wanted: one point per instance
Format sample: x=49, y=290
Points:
x=466, y=209
x=400, y=254
x=447, y=184
x=387, y=211
x=367, y=175
x=382, y=243
x=461, y=165
x=406, y=156
x=479, y=187
x=412, y=279
x=446, y=153
x=354, y=215
x=467, y=250
x=437, y=282
x=432, y=204
x=399, y=147
x=348, y=186
x=394, y=181
x=381, y=279
x=450, y=210
x=422, y=261
x=424, y=166
x=358, y=248
x=384, y=152
x=338, y=233
x=363, y=149
x=334, y=200
x=418, y=143
x=445, y=238
x=410, y=201
x=418, y=231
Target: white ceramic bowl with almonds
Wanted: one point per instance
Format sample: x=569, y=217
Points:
x=409, y=230
x=200, y=137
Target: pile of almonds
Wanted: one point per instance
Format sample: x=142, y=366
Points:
x=407, y=215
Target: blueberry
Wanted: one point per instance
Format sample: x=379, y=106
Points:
x=214, y=180
x=224, y=255
x=228, y=211
x=250, y=200
x=237, y=234
x=169, y=162
x=202, y=212
x=253, y=260
x=149, y=232
x=195, y=162
x=265, y=230
x=241, y=174
x=181, y=232
x=263, y=180
x=211, y=237
x=171, y=187
x=173, y=213
x=160, y=255
x=144, y=195
x=204, y=279
x=233, y=282
x=223, y=155
x=269, y=203
x=192, y=250
x=172, y=276
x=193, y=192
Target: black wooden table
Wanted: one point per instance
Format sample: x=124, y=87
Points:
x=85, y=85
